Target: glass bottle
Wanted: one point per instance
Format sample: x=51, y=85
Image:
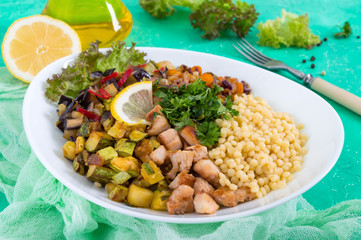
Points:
x=103, y=20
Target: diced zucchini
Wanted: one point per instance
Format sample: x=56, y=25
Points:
x=150, y=68
x=107, y=103
x=160, y=199
x=121, y=177
x=98, y=140
x=76, y=114
x=100, y=174
x=86, y=156
x=161, y=185
x=95, y=159
x=135, y=166
x=155, y=143
x=118, y=130
x=124, y=147
x=79, y=164
x=69, y=150
x=120, y=164
x=111, y=89
x=118, y=194
x=143, y=149
x=84, y=129
x=136, y=135
x=107, y=124
x=133, y=173
x=139, y=197
x=151, y=172
x=95, y=127
x=107, y=154
x=140, y=182
x=79, y=144
x=109, y=187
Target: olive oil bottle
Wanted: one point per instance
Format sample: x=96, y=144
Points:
x=103, y=20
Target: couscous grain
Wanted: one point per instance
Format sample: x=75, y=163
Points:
x=259, y=148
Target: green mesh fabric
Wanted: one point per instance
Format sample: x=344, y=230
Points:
x=42, y=208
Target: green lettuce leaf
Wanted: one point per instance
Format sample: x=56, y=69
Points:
x=290, y=30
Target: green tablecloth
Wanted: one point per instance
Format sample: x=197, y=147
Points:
x=340, y=59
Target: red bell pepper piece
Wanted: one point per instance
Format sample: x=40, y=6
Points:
x=113, y=75
x=94, y=93
x=124, y=77
x=159, y=70
x=104, y=93
x=88, y=114
x=142, y=65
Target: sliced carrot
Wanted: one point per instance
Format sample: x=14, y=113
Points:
x=239, y=87
x=208, y=78
x=173, y=72
x=197, y=69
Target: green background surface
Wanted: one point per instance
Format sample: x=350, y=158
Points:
x=339, y=58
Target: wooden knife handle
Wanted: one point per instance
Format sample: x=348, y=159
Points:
x=337, y=94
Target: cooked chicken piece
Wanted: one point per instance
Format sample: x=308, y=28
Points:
x=189, y=135
x=159, y=155
x=159, y=125
x=224, y=196
x=203, y=203
x=244, y=194
x=149, y=117
x=201, y=185
x=182, y=179
x=170, y=139
x=181, y=200
x=181, y=161
x=200, y=152
x=207, y=170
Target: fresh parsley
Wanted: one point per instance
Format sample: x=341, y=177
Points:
x=346, y=31
x=196, y=105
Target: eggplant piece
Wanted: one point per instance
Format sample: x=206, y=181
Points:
x=68, y=110
x=72, y=139
x=140, y=73
x=246, y=88
x=113, y=81
x=96, y=74
x=74, y=123
x=108, y=72
x=64, y=100
x=60, y=125
x=106, y=115
x=76, y=114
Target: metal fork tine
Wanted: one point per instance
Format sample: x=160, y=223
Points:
x=246, y=56
x=255, y=50
x=249, y=53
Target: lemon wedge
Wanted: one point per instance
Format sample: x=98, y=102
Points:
x=33, y=42
x=132, y=104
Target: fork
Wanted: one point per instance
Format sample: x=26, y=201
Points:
x=329, y=90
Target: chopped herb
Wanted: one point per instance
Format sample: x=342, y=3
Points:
x=155, y=114
x=346, y=31
x=198, y=106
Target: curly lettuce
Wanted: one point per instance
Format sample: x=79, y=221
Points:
x=76, y=76
x=290, y=30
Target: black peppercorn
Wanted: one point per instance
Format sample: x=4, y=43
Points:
x=312, y=65
x=304, y=60
x=325, y=39
x=313, y=58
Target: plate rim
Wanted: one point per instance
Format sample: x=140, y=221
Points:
x=180, y=219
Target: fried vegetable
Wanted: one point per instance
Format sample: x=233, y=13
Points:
x=139, y=197
x=100, y=174
x=69, y=150
x=118, y=194
x=79, y=164
x=151, y=172
x=120, y=164
x=118, y=130
x=124, y=147
x=109, y=187
x=84, y=129
x=79, y=144
x=289, y=30
x=216, y=16
x=161, y=185
x=160, y=199
x=98, y=140
x=140, y=182
x=107, y=154
x=136, y=135
x=143, y=149
x=121, y=177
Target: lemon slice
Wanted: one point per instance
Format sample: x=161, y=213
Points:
x=133, y=103
x=33, y=42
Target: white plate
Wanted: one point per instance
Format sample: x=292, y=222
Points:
x=322, y=125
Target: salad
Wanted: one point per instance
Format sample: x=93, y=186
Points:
x=152, y=133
